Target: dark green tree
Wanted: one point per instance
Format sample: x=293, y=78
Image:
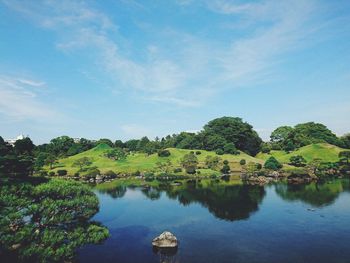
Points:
x=297, y=160
x=189, y=162
x=272, y=164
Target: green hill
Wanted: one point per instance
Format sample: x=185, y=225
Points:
x=324, y=151
x=143, y=162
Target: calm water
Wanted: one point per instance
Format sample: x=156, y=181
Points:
x=219, y=222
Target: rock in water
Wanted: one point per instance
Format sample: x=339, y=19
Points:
x=165, y=240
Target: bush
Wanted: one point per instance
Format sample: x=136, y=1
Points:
x=191, y=170
x=52, y=173
x=297, y=161
x=198, y=172
x=220, y=152
x=198, y=152
x=137, y=173
x=272, y=164
x=164, y=153
x=76, y=174
x=61, y=172
x=225, y=162
x=258, y=166
x=177, y=170
x=242, y=162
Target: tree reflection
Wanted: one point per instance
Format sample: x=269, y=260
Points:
x=316, y=194
x=114, y=192
x=228, y=202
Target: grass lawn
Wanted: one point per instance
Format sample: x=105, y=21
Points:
x=326, y=152
x=147, y=163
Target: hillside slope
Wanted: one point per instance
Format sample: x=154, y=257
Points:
x=324, y=151
x=143, y=162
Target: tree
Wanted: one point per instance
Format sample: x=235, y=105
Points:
x=116, y=154
x=119, y=144
x=297, y=160
x=230, y=148
x=24, y=146
x=225, y=168
x=82, y=163
x=272, y=164
x=280, y=134
x=40, y=161
x=164, y=167
x=189, y=162
x=315, y=165
x=48, y=222
x=345, y=155
x=212, y=162
x=59, y=146
x=105, y=141
x=234, y=130
x=51, y=160
x=345, y=141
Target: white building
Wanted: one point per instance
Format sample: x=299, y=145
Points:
x=19, y=137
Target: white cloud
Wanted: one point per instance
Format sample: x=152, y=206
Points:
x=189, y=70
x=20, y=102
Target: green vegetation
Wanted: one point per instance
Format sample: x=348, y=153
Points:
x=145, y=163
x=324, y=151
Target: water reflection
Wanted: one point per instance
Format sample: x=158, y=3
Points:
x=115, y=192
x=316, y=194
x=228, y=202
x=166, y=255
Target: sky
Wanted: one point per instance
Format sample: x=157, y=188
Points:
x=125, y=69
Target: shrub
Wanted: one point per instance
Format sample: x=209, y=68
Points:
x=220, y=152
x=258, y=166
x=52, y=173
x=137, y=173
x=61, y=172
x=225, y=162
x=164, y=153
x=272, y=164
x=198, y=152
x=76, y=174
x=177, y=170
x=297, y=160
x=242, y=162
x=198, y=172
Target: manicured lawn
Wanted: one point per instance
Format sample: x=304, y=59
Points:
x=326, y=152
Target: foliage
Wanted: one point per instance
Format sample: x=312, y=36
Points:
x=82, y=163
x=242, y=162
x=212, y=162
x=46, y=223
x=234, y=130
x=61, y=172
x=272, y=164
x=297, y=160
x=164, y=153
x=189, y=162
x=116, y=154
x=345, y=155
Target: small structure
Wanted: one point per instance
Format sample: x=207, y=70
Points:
x=165, y=240
x=12, y=141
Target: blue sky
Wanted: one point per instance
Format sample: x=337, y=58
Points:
x=124, y=69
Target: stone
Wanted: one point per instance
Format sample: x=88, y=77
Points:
x=165, y=240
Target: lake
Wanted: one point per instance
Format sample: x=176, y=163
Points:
x=219, y=221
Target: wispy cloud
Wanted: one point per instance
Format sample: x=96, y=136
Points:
x=195, y=68
x=19, y=101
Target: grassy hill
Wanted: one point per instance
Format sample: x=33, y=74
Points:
x=326, y=152
x=143, y=162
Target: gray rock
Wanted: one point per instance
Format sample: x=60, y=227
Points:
x=165, y=240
